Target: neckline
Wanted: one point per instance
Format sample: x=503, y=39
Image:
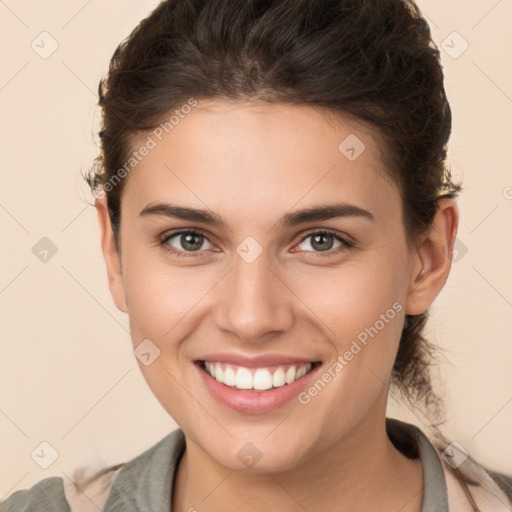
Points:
x=409, y=440
x=146, y=482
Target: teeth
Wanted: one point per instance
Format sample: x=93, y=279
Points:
x=243, y=378
x=229, y=376
x=290, y=375
x=261, y=380
x=219, y=374
x=278, y=379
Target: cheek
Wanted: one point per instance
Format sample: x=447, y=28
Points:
x=160, y=300
x=166, y=304
x=353, y=296
x=161, y=309
x=363, y=306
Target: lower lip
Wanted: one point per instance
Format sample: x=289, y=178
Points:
x=255, y=402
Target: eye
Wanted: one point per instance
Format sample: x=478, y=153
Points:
x=191, y=243
x=324, y=242
x=186, y=243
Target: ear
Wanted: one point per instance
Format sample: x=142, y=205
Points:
x=432, y=258
x=111, y=256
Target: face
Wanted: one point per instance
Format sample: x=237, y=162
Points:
x=297, y=262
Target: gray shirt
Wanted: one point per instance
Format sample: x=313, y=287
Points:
x=145, y=482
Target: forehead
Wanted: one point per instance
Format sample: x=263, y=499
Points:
x=260, y=159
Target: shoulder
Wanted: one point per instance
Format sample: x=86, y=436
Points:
x=471, y=486
x=90, y=494
x=93, y=493
x=53, y=494
x=145, y=482
x=466, y=485
x=56, y=495
x=45, y=496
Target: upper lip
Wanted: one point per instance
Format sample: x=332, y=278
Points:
x=255, y=361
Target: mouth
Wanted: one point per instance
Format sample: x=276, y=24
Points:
x=256, y=390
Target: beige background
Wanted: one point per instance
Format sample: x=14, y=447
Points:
x=67, y=373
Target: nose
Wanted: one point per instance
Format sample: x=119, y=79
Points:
x=255, y=304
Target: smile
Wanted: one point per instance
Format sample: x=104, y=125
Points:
x=257, y=379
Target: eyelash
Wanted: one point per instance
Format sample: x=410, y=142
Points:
x=346, y=244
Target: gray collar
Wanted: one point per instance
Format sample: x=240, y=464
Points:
x=145, y=482
x=411, y=441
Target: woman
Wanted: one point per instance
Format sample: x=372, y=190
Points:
x=276, y=219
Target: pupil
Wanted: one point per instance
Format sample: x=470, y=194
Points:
x=322, y=238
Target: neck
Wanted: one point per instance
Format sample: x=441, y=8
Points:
x=360, y=471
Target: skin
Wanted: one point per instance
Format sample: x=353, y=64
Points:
x=251, y=163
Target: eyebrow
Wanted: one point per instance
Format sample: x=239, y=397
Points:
x=312, y=214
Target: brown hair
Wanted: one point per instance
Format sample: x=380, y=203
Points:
x=373, y=60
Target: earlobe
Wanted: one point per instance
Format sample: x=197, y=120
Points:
x=111, y=256
x=433, y=258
